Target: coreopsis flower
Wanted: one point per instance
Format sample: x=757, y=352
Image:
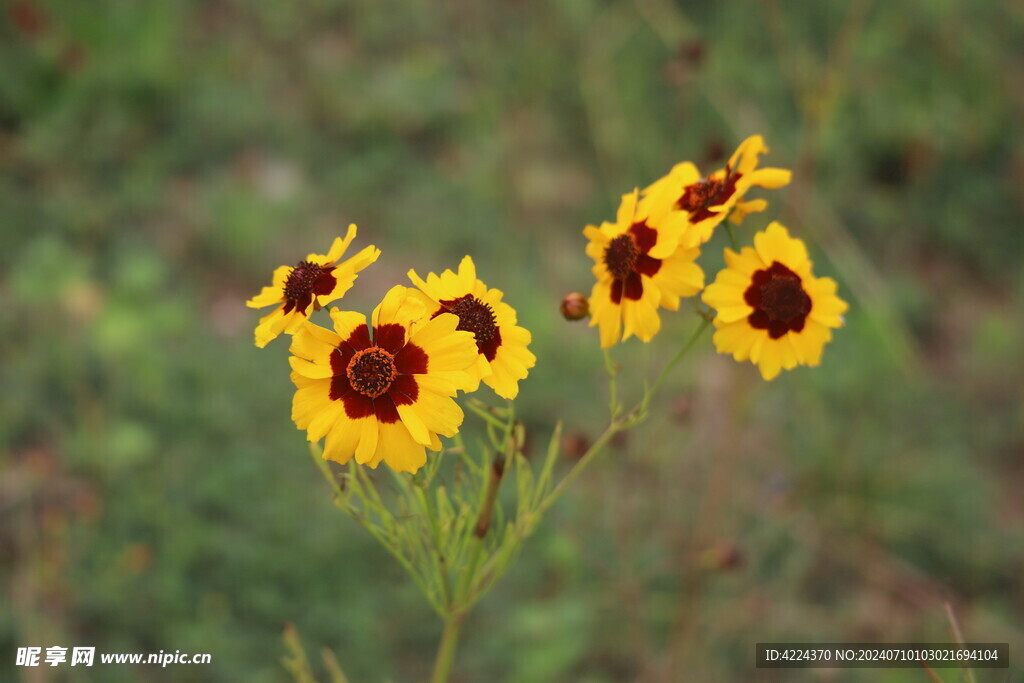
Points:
x=707, y=200
x=382, y=393
x=771, y=309
x=502, y=354
x=312, y=283
x=640, y=265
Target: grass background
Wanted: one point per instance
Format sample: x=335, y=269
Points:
x=157, y=160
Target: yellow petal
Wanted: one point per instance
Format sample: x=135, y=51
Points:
x=744, y=159
x=770, y=362
x=736, y=339
x=467, y=273
x=345, y=274
x=446, y=347
x=810, y=342
x=627, y=209
x=826, y=307
x=337, y=249
x=369, y=433
x=478, y=370
x=296, y=322
x=670, y=231
x=435, y=443
x=436, y=412
x=770, y=178
x=398, y=307
x=310, y=370
x=744, y=209
x=666, y=190
x=310, y=400
x=400, y=450
x=447, y=285
x=745, y=262
x=414, y=424
x=271, y=326
x=641, y=317
x=274, y=294
x=439, y=329
x=324, y=420
x=605, y=314
x=679, y=275
x=725, y=297
x=343, y=438
x=775, y=244
x=426, y=289
x=510, y=365
x=314, y=343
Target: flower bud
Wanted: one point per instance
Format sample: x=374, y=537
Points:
x=575, y=306
x=576, y=445
x=723, y=556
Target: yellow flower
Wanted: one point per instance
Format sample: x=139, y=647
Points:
x=639, y=265
x=502, y=356
x=771, y=309
x=382, y=397
x=706, y=201
x=312, y=283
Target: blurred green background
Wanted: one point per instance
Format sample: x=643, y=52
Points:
x=159, y=159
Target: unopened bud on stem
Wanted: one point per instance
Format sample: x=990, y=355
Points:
x=575, y=306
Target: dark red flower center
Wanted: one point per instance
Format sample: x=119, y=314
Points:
x=301, y=280
x=477, y=317
x=784, y=299
x=306, y=281
x=626, y=259
x=371, y=371
x=620, y=256
x=779, y=301
x=474, y=316
x=699, y=197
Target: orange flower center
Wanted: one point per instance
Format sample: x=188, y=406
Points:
x=621, y=255
x=371, y=371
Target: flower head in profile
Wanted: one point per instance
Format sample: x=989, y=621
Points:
x=707, y=200
x=313, y=282
x=502, y=354
x=771, y=310
x=382, y=393
x=639, y=265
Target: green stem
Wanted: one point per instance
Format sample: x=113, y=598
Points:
x=675, y=361
x=618, y=424
x=613, y=370
x=446, y=648
x=317, y=453
x=597, y=447
x=732, y=236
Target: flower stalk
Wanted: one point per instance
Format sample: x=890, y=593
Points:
x=446, y=648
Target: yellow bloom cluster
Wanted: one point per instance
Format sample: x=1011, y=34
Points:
x=770, y=308
x=384, y=390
